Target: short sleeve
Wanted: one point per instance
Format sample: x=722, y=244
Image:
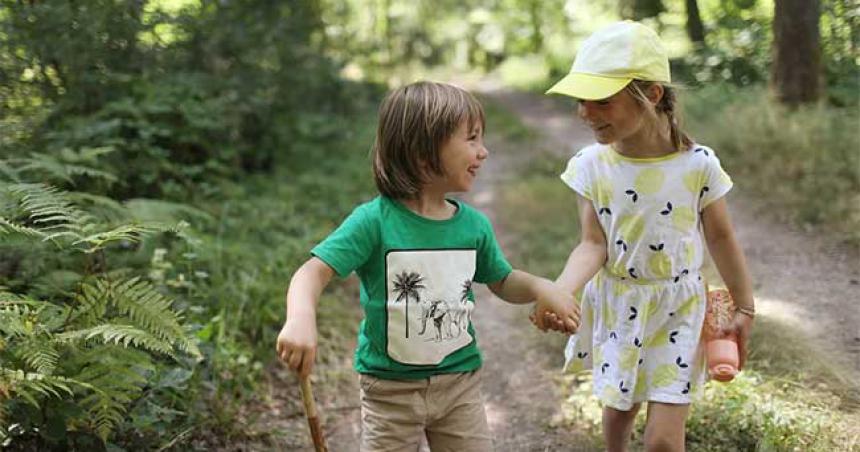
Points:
x=351, y=244
x=576, y=177
x=492, y=266
x=717, y=182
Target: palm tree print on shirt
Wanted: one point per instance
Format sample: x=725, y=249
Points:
x=406, y=285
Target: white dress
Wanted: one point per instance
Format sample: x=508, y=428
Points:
x=642, y=313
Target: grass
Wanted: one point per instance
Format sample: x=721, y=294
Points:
x=804, y=162
x=789, y=398
x=265, y=226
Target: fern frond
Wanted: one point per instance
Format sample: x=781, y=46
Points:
x=39, y=353
x=49, y=208
x=127, y=232
x=8, y=227
x=146, y=307
x=30, y=385
x=50, y=165
x=13, y=321
x=140, y=301
x=120, y=374
x=108, y=208
x=91, y=304
x=125, y=335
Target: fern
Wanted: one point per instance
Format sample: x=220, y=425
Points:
x=64, y=170
x=39, y=353
x=49, y=210
x=8, y=227
x=95, y=339
x=124, y=233
x=33, y=385
x=151, y=310
x=120, y=334
x=119, y=373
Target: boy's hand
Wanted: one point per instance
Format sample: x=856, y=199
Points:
x=297, y=345
x=555, y=309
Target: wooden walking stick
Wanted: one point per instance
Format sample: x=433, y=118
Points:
x=311, y=414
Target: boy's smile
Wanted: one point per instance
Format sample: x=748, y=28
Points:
x=462, y=156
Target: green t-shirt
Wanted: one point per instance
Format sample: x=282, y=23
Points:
x=416, y=276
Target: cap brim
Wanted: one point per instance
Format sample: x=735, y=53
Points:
x=588, y=87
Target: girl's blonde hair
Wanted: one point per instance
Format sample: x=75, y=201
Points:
x=667, y=106
x=415, y=121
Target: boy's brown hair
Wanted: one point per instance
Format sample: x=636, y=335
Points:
x=415, y=121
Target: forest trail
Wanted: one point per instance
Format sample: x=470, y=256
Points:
x=806, y=281
x=801, y=280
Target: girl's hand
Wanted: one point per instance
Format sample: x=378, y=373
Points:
x=297, y=345
x=555, y=309
x=550, y=321
x=740, y=328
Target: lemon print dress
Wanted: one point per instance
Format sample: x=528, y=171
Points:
x=643, y=312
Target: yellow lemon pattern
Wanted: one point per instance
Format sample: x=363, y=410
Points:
x=641, y=338
x=684, y=218
x=639, y=389
x=631, y=228
x=664, y=375
x=610, y=395
x=660, y=265
x=659, y=339
x=689, y=254
x=651, y=308
x=609, y=157
x=687, y=306
x=629, y=357
x=649, y=181
x=602, y=191
x=694, y=181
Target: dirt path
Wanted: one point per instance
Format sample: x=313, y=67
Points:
x=808, y=282
x=522, y=400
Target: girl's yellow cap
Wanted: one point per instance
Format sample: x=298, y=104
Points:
x=610, y=58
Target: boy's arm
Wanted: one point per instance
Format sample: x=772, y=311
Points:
x=520, y=287
x=729, y=259
x=297, y=341
x=586, y=259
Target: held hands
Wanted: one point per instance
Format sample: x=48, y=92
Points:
x=555, y=309
x=297, y=345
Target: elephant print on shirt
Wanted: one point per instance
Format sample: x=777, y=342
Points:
x=429, y=303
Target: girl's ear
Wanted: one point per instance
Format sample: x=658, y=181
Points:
x=655, y=93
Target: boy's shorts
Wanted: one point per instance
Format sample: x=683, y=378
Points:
x=448, y=409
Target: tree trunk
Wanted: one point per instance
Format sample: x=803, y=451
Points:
x=535, y=20
x=796, y=70
x=695, y=28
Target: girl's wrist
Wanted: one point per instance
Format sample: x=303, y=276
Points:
x=748, y=311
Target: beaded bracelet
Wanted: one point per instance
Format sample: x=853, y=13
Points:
x=750, y=312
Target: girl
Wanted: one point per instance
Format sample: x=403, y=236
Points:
x=645, y=190
x=416, y=253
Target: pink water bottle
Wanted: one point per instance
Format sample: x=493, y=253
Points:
x=721, y=352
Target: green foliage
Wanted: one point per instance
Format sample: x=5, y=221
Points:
x=98, y=336
x=766, y=415
x=766, y=146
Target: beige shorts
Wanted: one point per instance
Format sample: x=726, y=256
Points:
x=448, y=409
